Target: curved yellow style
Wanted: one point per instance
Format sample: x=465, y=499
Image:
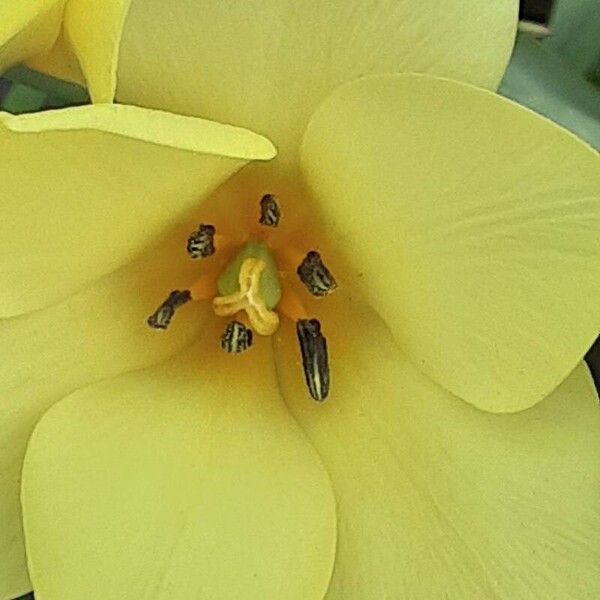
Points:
x=97, y=333
x=266, y=64
x=27, y=28
x=88, y=188
x=437, y=499
x=175, y=483
x=474, y=226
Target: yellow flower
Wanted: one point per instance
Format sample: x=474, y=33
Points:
x=463, y=236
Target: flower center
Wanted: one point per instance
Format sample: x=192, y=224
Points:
x=249, y=289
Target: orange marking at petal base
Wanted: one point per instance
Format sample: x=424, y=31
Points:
x=242, y=317
x=290, y=305
x=289, y=257
x=222, y=241
x=205, y=288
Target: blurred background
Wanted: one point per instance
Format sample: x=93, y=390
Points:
x=554, y=70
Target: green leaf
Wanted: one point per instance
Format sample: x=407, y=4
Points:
x=63, y=93
x=23, y=99
x=576, y=35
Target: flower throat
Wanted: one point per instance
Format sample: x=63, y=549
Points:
x=249, y=291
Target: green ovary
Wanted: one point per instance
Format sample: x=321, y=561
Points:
x=270, y=286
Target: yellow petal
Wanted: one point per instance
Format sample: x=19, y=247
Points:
x=87, y=188
x=474, y=225
x=97, y=333
x=93, y=29
x=437, y=499
x=27, y=27
x=186, y=481
x=87, y=50
x=60, y=62
x=266, y=64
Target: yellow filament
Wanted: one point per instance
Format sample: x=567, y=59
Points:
x=249, y=299
x=289, y=257
x=205, y=287
x=290, y=305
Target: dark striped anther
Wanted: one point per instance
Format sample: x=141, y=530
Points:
x=201, y=243
x=315, y=275
x=269, y=211
x=162, y=316
x=313, y=347
x=236, y=338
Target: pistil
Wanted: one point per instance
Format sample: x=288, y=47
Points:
x=249, y=298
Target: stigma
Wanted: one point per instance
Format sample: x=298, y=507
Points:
x=249, y=297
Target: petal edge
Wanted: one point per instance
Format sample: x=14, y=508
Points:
x=486, y=217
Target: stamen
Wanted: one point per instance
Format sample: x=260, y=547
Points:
x=201, y=242
x=269, y=211
x=313, y=347
x=249, y=299
x=162, y=316
x=236, y=338
x=315, y=275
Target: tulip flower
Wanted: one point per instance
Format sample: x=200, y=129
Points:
x=292, y=324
